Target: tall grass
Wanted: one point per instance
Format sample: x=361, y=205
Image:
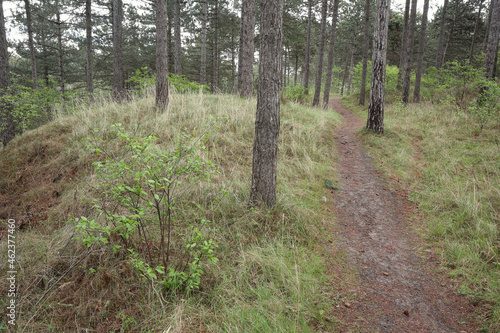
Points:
x=268, y=278
x=452, y=169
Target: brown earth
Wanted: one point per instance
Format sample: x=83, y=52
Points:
x=397, y=289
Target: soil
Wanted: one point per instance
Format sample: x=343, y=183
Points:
x=398, y=289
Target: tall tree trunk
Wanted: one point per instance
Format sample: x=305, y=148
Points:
x=490, y=58
x=329, y=67
x=421, y=48
x=118, y=78
x=215, y=58
x=488, y=24
x=7, y=122
x=319, y=75
x=245, y=61
x=350, y=73
x=409, y=53
x=177, y=38
x=308, y=48
x=448, y=41
x=404, y=42
x=366, y=42
x=161, y=55
x=344, y=76
x=439, y=56
x=170, y=26
x=59, y=48
x=234, y=85
x=267, y=122
x=476, y=28
x=296, y=68
x=204, y=19
x=44, y=55
x=90, y=65
x=375, y=120
x=31, y=46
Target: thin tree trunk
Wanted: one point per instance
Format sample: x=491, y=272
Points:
x=296, y=68
x=404, y=42
x=118, y=78
x=204, y=19
x=319, y=75
x=90, y=65
x=366, y=42
x=161, y=55
x=215, y=58
x=421, y=48
x=45, y=55
x=476, y=28
x=267, y=122
x=7, y=122
x=490, y=58
x=439, y=56
x=308, y=48
x=31, y=46
x=350, y=74
x=448, y=41
x=344, y=76
x=60, y=49
x=177, y=38
x=170, y=14
x=246, y=55
x=409, y=52
x=488, y=24
x=234, y=85
x=329, y=67
x=375, y=120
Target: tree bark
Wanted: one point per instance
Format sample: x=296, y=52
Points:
x=59, y=48
x=308, y=48
x=245, y=61
x=344, y=76
x=118, y=77
x=329, y=67
x=421, y=48
x=204, y=20
x=439, y=56
x=404, y=42
x=90, y=65
x=350, y=74
x=7, y=122
x=267, y=122
x=319, y=75
x=31, y=46
x=490, y=58
x=366, y=42
x=476, y=28
x=409, y=53
x=177, y=38
x=215, y=58
x=375, y=120
x=488, y=24
x=161, y=55
x=296, y=68
x=448, y=41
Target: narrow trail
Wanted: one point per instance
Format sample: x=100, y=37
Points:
x=397, y=293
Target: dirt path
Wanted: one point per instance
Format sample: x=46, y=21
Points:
x=397, y=292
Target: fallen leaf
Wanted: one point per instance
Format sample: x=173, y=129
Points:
x=406, y=312
x=386, y=274
x=347, y=305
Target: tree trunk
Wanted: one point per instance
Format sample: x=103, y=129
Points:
x=204, y=19
x=421, y=48
x=375, y=120
x=161, y=55
x=344, y=76
x=366, y=40
x=448, y=41
x=245, y=61
x=409, y=53
x=439, y=56
x=308, y=48
x=350, y=73
x=476, y=28
x=319, y=75
x=170, y=14
x=490, y=58
x=177, y=38
x=90, y=65
x=31, y=46
x=329, y=67
x=296, y=68
x=215, y=58
x=118, y=78
x=488, y=24
x=59, y=48
x=7, y=122
x=234, y=85
x=404, y=42
x=267, y=122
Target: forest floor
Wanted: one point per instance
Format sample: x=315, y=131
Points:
x=399, y=288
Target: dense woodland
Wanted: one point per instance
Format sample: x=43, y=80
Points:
x=127, y=129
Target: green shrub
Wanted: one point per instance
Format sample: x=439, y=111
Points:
x=144, y=79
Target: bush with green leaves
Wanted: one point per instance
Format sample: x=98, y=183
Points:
x=293, y=93
x=488, y=103
x=141, y=191
x=144, y=79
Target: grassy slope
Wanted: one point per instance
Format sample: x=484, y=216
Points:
x=268, y=279
x=453, y=171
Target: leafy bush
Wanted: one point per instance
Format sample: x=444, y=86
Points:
x=293, y=93
x=138, y=198
x=143, y=79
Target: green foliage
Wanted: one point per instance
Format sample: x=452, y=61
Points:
x=144, y=79
x=139, y=196
x=294, y=94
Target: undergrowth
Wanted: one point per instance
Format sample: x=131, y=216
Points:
x=451, y=166
x=268, y=277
